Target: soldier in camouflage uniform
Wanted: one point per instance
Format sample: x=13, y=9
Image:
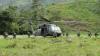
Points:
x=14, y=35
x=5, y=35
x=96, y=34
x=78, y=34
x=67, y=34
x=89, y=34
x=29, y=34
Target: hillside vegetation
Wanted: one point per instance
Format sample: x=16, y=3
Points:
x=74, y=15
x=83, y=13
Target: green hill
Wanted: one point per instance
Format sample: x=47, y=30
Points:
x=73, y=15
x=77, y=15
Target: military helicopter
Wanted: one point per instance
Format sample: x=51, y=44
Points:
x=47, y=29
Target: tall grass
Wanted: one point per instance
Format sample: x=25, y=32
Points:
x=79, y=46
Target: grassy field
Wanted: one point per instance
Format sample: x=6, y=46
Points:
x=61, y=46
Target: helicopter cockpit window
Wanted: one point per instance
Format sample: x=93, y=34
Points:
x=55, y=28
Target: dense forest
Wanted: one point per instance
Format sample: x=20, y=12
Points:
x=74, y=15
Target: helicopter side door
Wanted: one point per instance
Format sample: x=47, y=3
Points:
x=44, y=30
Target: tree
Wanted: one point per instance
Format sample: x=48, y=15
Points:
x=95, y=7
x=98, y=7
x=38, y=10
x=55, y=15
x=7, y=20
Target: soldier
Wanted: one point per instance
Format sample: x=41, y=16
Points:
x=29, y=34
x=67, y=34
x=5, y=35
x=89, y=34
x=44, y=30
x=78, y=34
x=69, y=39
x=96, y=34
x=14, y=35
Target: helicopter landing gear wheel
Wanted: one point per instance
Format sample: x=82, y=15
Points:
x=44, y=35
x=54, y=34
